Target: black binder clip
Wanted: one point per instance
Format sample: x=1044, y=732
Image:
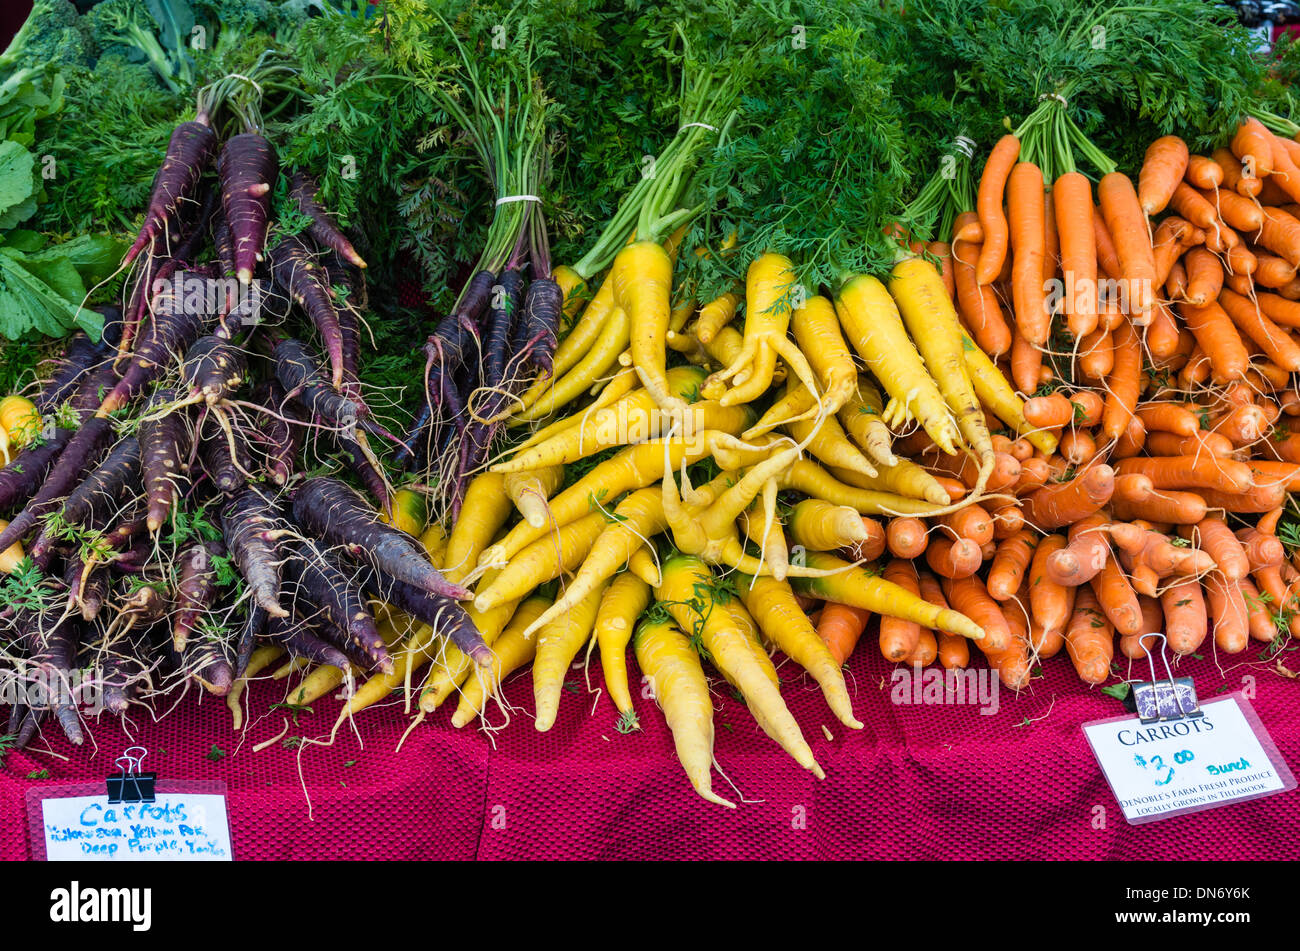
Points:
x=1173, y=698
x=131, y=785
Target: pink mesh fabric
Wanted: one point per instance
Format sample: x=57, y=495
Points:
x=919, y=782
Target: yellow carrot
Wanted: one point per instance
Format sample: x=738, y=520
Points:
x=862, y=589
x=510, y=651
x=875, y=328
x=529, y=491
x=684, y=593
x=542, y=561
x=772, y=604
x=484, y=511
x=622, y=603
x=633, y=522
x=633, y=468
x=770, y=288
x=998, y=395
x=666, y=657
x=558, y=642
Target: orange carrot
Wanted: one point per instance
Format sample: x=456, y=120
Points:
x=1204, y=276
x=1117, y=598
x=1097, y=354
x=1164, y=164
x=1234, y=210
x=1185, y=616
x=971, y=522
x=1072, y=201
x=906, y=537
x=978, y=303
x=953, y=558
x=1080, y=560
x=969, y=597
x=1010, y=564
x=1218, y=339
x=1253, y=145
x=1049, y=412
x=1128, y=229
x=1228, y=616
x=1167, y=444
x=898, y=636
x=1026, y=363
x=1107, y=257
x=1233, y=178
x=1124, y=383
x=1026, y=210
x=1259, y=621
x=1280, y=347
x=1089, y=639
x=1064, y=503
x=988, y=203
x=1203, y=172
x=840, y=626
x=1280, y=233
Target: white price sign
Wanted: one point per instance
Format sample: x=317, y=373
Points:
x=184, y=827
x=1170, y=767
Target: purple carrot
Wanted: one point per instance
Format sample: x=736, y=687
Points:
x=298, y=372
x=474, y=301
x=143, y=607
x=85, y=594
x=122, y=672
x=164, y=458
x=504, y=315
x=254, y=627
x=327, y=509
x=214, y=369
x=299, y=642
x=77, y=360
x=365, y=470
x=223, y=243
x=277, y=437
x=295, y=271
x=350, y=333
x=207, y=663
x=325, y=583
x=196, y=588
x=405, y=456
x=251, y=525
x=189, y=153
x=73, y=462
x=172, y=327
x=39, y=470
x=96, y=496
x=228, y=472
x=54, y=638
x=305, y=193
x=442, y=614
x=247, y=168
x=111, y=334
x=543, y=305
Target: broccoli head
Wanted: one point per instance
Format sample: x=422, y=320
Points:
x=52, y=35
x=126, y=26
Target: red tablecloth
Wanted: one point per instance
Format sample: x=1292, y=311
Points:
x=919, y=781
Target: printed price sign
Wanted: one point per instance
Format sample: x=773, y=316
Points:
x=1170, y=767
x=184, y=826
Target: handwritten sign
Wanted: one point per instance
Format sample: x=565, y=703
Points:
x=1161, y=769
x=190, y=827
